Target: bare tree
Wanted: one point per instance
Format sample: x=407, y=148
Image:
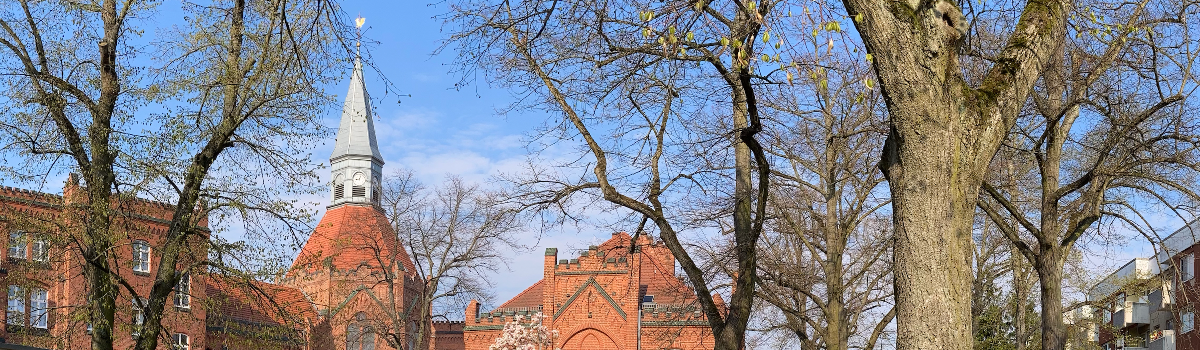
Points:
x=241, y=86
x=663, y=99
x=1098, y=143
x=455, y=234
x=826, y=255
x=948, y=120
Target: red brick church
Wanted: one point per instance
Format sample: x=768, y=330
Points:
x=593, y=301
x=352, y=286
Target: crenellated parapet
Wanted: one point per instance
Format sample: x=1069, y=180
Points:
x=672, y=315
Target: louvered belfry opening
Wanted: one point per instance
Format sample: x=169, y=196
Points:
x=359, y=191
x=339, y=191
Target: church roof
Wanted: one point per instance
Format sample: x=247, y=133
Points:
x=530, y=297
x=256, y=302
x=356, y=132
x=351, y=236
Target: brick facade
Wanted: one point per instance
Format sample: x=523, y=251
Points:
x=1150, y=302
x=38, y=231
x=593, y=301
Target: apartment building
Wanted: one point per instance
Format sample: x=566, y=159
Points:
x=1150, y=303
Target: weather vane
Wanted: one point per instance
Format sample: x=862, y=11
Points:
x=358, y=23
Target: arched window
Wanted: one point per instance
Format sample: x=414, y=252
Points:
x=352, y=337
x=359, y=334
x=339, y=187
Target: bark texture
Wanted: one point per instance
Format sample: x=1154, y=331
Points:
x=943, y=134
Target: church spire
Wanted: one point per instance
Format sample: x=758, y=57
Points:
x=356, y=163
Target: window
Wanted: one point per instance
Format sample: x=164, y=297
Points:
x=358, y=191
x=1187, y=322
x=16, y=306
x=138, y=317
x=182, y=298
x=38, y=308
x=41, y=251
x=141, y=257
x=359, y=337
x=16, y=245
x=339, y=187
x=1188, y=266
x=179, y=341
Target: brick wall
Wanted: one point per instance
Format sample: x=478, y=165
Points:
x=42, y=218
x=591, y=299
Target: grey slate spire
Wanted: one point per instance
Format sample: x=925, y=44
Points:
x=356, y=133
x=356, y=165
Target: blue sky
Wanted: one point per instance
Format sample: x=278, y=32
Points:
x=440, y=130
x=424, y=124
x=431, y=127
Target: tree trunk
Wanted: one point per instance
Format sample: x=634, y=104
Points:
x=1050, y=274
x=1020, y=296
x=934, y=185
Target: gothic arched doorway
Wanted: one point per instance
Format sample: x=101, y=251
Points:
x=590, y=339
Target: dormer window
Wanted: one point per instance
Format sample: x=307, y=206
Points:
x=141, y=257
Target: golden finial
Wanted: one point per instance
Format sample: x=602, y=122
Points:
x=358, y=23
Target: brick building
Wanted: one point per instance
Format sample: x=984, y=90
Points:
x=352, y=285
x=1151, y=303
x=593, y=301
x=46, y=291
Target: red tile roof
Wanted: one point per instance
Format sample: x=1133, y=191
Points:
x=257, y=302
x=350, y=236
x=531, y=297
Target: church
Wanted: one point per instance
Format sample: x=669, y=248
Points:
x=352, y=286
x=620, y=295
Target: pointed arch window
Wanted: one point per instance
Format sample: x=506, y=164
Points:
x=359, y=334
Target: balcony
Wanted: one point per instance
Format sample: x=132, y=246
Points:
x=1162, y=340
x=1132, y=314
x=1160, y=301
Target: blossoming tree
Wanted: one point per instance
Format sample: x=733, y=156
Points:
x=522, y=335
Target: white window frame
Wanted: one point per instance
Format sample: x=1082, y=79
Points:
x=183, y=290
x=15, y=314
x=16, y=245
x=39, y=307
x=40, y=251
x=139, y=317
x=1187, y=322
x=141, y=256
x=1187, y=265
x=180, y=341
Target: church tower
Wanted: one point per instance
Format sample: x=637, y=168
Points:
x=356, y=163
x=353, y=269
